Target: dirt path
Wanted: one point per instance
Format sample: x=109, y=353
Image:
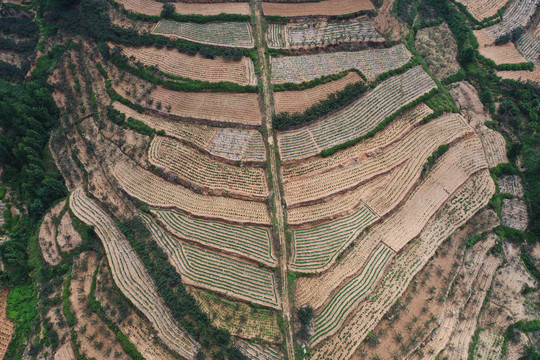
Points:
x=273, y=168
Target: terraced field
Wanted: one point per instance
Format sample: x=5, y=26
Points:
x=155, y=191
x=301, y=100
x=482, y=9
x=130, y=275
x=152, y=7
x=249, y=241
x=324, y=7
x=471, y=197
x=226, y=143
x=194, y=67
x=529, y=46
x=199, y=170
x=517, y=15
x=301, y=68
x=319, y=33
x=343, y=125
x=213, y=271
x=233, y=34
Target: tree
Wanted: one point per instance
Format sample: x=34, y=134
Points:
x=168, y=10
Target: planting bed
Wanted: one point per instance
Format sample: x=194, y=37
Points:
x=6, y=326
x=196, y=67
x=248, y=241
x=202, y=171
x=130, y=275
x=517, y=15
x=158, y=192
x=324, y=7
x=299, y=101
x=152, y=7
x=217, y=272
x=494, y=146
x=229, y=144
x=511, y=184
x=235, y=34
x=502, y=54
x=463, y=204
x=297, y=69
x=321, y=33
x=315, y=247
x=255, y=351
x=344, y=125
x=529, y=45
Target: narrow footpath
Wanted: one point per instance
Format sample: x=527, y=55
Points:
x=273, y=169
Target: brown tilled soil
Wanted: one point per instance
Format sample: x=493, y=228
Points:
x=522, y=75
x=300, y=101
x=151, y=7
x=420, y=307
x=95, y=338
x=324, y=7
x=439, y=49
x=47, y=235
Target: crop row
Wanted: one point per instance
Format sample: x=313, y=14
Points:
x=213, y=271
x=529, y=46
x=475, y=194
x=452, y=170
x=195, y=67
x=229, y=144
x=335, y=312
x=323, y=7
x=517, y=15
x=249, y=241
x=415, y=147
x=318, y=33
x=297, y=69
x=358, y=118
x=158, y=192
x=154, y=7
x=130, y=275
x=494, y=146
x=197, y=168
x=316, y=246
x=236, y=34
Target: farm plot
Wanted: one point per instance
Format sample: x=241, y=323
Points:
x=297, y=69
x=358, y=118
x=239, y=318
x=482, y=9
x=324, y=7
x=250, y=241
x=517, y=15
x=230, y=144
x=152, y=7
x=511, y=184
x=236, y=108
x=213, y=271
x=415, y=148
x=130, y=275
x=529, y=45
x=300, y=101
x=329, y=319
x=233, y=34
x=158, y=192
x=201, y=170
x=502, y=54
x=317, y=246
x=474, y=195
x=320, y=33
x=494, y=146
x=522, y=75
x=196, y=67
x=405, y=223
x=255, y=351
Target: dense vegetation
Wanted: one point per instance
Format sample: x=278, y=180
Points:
x=27, y=31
